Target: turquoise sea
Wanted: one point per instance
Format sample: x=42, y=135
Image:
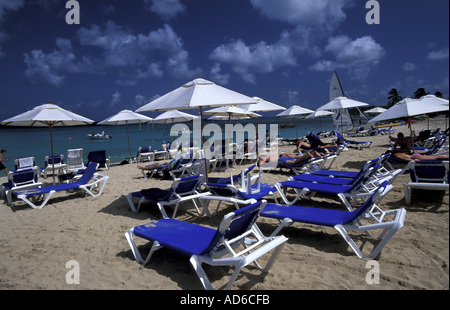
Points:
x=22, y=142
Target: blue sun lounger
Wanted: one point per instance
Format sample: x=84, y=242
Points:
x=346, y=177
x=382, y=160
x=358, y=144
x=427, y=175
x=389, y=222
x=360, y=188
x=182, y=189
x=87, y=182
x=215, y=247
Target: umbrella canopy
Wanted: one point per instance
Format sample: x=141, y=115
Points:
x=342, y=103
x=376, y=110
x=48, y=115
x=320, y=113
x=412, y=107
x=198, y=93
x=230, y=111
x=173, y=116
x=261, y=106
x=294, y=112
x=226, y=118
x=126, y=117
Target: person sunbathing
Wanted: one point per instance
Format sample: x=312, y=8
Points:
x=307, y=145
x=163, y=166
x=289, y=159
x=419, y=157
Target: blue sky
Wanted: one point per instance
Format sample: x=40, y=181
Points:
x=123, y=54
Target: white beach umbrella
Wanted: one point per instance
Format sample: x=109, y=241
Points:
x=197, y=94
x=225, y=118
x=376, y=110
x=341, y=103
x=173, y=116
x=295, y=112
x=412, y=107
x=262, y=106
x=126, y=117
x=230, y=111
x=433, y=100
x=48, y=115
x=409, y=107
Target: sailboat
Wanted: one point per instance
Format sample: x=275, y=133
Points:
x=336, y=91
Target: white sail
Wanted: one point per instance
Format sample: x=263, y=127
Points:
x=337, y=91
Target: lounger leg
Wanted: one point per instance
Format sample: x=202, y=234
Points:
x=283, y=196
x=163, y=211
x=286, y=222
x=197, y=265
x=24, y=198
x=407, y=190
x=137, y=255
x=130, y=202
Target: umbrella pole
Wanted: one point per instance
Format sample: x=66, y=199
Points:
x=129, y=148
x=203, y=145
x=51, y=145
x=256, y=128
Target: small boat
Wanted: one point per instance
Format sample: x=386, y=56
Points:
x=99, y=136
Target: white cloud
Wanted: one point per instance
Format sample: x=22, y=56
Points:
x=326, y=14
x=166, y=9
x=7, y=6
x=260, y=58
x=313, y=21
x=116, y=99
x=357, y=56
x=49, y=68
x=216, y=74
x=409, y=67
x=116, y=49
x=439, y=54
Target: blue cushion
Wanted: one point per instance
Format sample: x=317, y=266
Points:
x=324, y=217
x=319, y=187
x=185, y=238
x=335, y=173
x=321, y=179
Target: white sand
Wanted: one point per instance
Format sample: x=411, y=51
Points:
x=37, y=244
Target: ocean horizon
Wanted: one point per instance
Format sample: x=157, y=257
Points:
x=20, y=142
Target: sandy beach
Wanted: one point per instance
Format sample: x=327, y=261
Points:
x=36, y=245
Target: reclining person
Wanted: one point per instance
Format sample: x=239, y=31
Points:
x=289, y=159
x=420, y=157
x=318, y=147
